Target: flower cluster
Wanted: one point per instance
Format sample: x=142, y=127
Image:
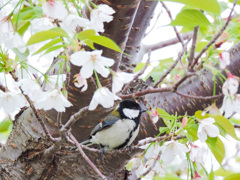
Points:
x=231, y=101
x=46, y=92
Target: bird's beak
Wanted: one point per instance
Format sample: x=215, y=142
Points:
x=143, y=110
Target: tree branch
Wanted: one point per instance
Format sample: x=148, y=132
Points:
x=175, y=29
x=215, y=38
x=174, y=64
x=86, y=158
x=194, y=42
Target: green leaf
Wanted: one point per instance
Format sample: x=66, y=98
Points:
x=201, y=45
x=206, y=5
x=222, y=172
x=233, y=1
x=48, y=45
x=211, y=175
x=235, y=176
x=5, y=125
x=198, y=114
x=53, y=48
x=226, y=125
x=106, y=42
x=89, y=37
x=190, y=18
x=163, y=129
x=163, y=113
x=84, y=35
x=139, y=67
x=191, y=132
x=22, y=56
x=22, y=27
x=5, y=129
x=46, y=35
x=158, y=71
x=217, y=148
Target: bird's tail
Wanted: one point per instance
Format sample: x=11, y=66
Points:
x=87, y=142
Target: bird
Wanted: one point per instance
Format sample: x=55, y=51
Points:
x=118, y=129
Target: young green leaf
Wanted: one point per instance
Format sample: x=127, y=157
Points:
x=106, y=42
x=226, y=125
x=46, y=35
x=206, y=5
x=234, y=176
x=48, y=45
x=190, y=18
x=217, y=148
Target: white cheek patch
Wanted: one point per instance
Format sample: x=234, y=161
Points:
x=131, y=113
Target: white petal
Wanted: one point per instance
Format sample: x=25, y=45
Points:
x=87, y=70
x=101, y=69
x=168, y=155
x=208, y=121
x=117, y=85
x=79, y=58
x=202, y=136
x=212, y=130
x=106, y=61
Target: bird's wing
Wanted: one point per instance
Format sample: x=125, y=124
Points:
x=107, y=122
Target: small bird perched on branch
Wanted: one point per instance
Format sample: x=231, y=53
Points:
x=119, y=128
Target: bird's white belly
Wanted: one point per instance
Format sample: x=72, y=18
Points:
x=116, y=135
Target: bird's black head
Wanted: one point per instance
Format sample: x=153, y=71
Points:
x=129, y=109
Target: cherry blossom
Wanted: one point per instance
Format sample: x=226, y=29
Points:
x=91, y=61
x=154, y=116
x=9, y=37
x=53, y=99
x=196, y=154
x=99, y=16
x=104, y=97
x=54, y=9
x=224, y=59
x=70, y=23
x=119, y=79
x=11, y=101
x=32, y=89
x=80, y=82
x=207, y=128
x=230, y=86
x=231, y=99
x=41, y=24
x=172, y=148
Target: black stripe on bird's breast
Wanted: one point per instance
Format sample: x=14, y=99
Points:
x=128, y=139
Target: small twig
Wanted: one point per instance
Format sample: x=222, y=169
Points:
x=236, y=126
x=48, y=153
x=175, y=29
x=174, y=64
x=194, y=42
x=161, y=11
x=153, y=165
x=86, y=158
x=199, y=97
x=214, y=39
x=34, y=111
x=150, y=90
x=185, y=77
x=59, y=123
x=82, y=112
x=146, y=91
x=139, y=74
